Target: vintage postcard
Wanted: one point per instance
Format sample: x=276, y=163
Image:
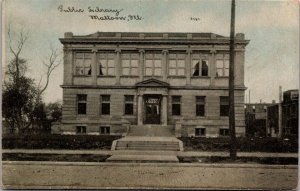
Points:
x=150, y=94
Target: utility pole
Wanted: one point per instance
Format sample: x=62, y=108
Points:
x=231, y=85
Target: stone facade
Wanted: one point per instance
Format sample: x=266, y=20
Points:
x=113, y=81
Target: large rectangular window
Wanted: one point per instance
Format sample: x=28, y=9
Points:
x=177, y=64
x=222, y=65
x=105, y=104
x=81, y=103
x=200, y=65
x=153, y=64
x=106, y=64
x=130, y=64
x=128, y=110
x=176, y=105
x=224, y=106
x=83, y=64
x=200, y=105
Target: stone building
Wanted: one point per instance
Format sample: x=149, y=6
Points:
x=115, y=82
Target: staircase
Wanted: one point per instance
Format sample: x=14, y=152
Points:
x=148, y=144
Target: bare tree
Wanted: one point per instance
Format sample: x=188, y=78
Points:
x=51, y=62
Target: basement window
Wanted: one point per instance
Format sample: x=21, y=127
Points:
x=80, y=129
x=104, y=130
x=224, y=132
x=200, y=132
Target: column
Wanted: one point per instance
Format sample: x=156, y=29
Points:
x=140, y=110
x=164, y=65
x=94, y=66
x=164, y=111
x=212, y=66
x=141, y=65
x=188, y=67
x=118, y=66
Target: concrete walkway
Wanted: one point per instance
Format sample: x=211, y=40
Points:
x=178, y=153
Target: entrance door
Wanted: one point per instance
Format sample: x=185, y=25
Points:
x=152, y=109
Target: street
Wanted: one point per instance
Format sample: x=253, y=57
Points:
x=145, y=175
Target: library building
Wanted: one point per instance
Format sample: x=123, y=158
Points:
x=150, y=84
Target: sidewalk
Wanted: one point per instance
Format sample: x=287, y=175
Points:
x=178, y=153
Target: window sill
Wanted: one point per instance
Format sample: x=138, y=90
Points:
x=176, y=76
x=200, y=117
x=124, y=76
x=200, y=135
x=84, y=76
x=129, y=116
x=222, y=77
x=207, y=77
x=107, y=76
x=153, y=76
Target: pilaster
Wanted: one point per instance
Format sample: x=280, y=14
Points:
x=140, y=110
x=188, y=67
x=212, y=66
x=118, y=65
x=141, y=65
x=164, y=65
x=94, y=66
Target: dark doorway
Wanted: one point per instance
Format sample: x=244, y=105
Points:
x=152, y=109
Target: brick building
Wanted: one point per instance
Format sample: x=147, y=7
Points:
x=114, y=82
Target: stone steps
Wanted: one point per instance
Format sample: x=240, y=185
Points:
x=138, y=158
x=148, y=144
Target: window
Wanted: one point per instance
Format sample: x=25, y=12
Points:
x=105, y=104
x=222, y=65
x=104, y=130
x=128, y=105
x=200, y=105
x=265, y=108
x=200, y=132
x=200, y=69
x=176, y=105
x=81, y=104
x=224, y=132
x=106, y=64
x=224, y=106
x=153, y=65
x=81, y=130
x=130, y=64
x=176, y=64
x=83, y=64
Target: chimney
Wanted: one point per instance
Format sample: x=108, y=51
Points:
x=280, y=94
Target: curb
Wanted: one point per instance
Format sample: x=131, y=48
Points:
x=219, y=165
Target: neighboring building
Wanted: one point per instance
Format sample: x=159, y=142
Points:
x=283, y=117
x=256, y=119
x=290, y=113
x=117, y=81
x=273, y=120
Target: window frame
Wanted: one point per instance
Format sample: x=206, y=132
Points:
x=176, y=103
x=130, y=67
x=200, y=103
x=225, y=59
x=152, y=57
x=176, y=68
x=81, y=102
x=222, y=104
x=200, y=129
x=224, y=130
x=106, y=130
x=82, y=130
x=84, y=58
x=200, y=67
x=129, y=102
x=104, y=102
x=105, y=56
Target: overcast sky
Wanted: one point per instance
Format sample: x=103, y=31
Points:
x=272, y=56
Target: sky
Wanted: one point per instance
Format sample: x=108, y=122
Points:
x=272, y=56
